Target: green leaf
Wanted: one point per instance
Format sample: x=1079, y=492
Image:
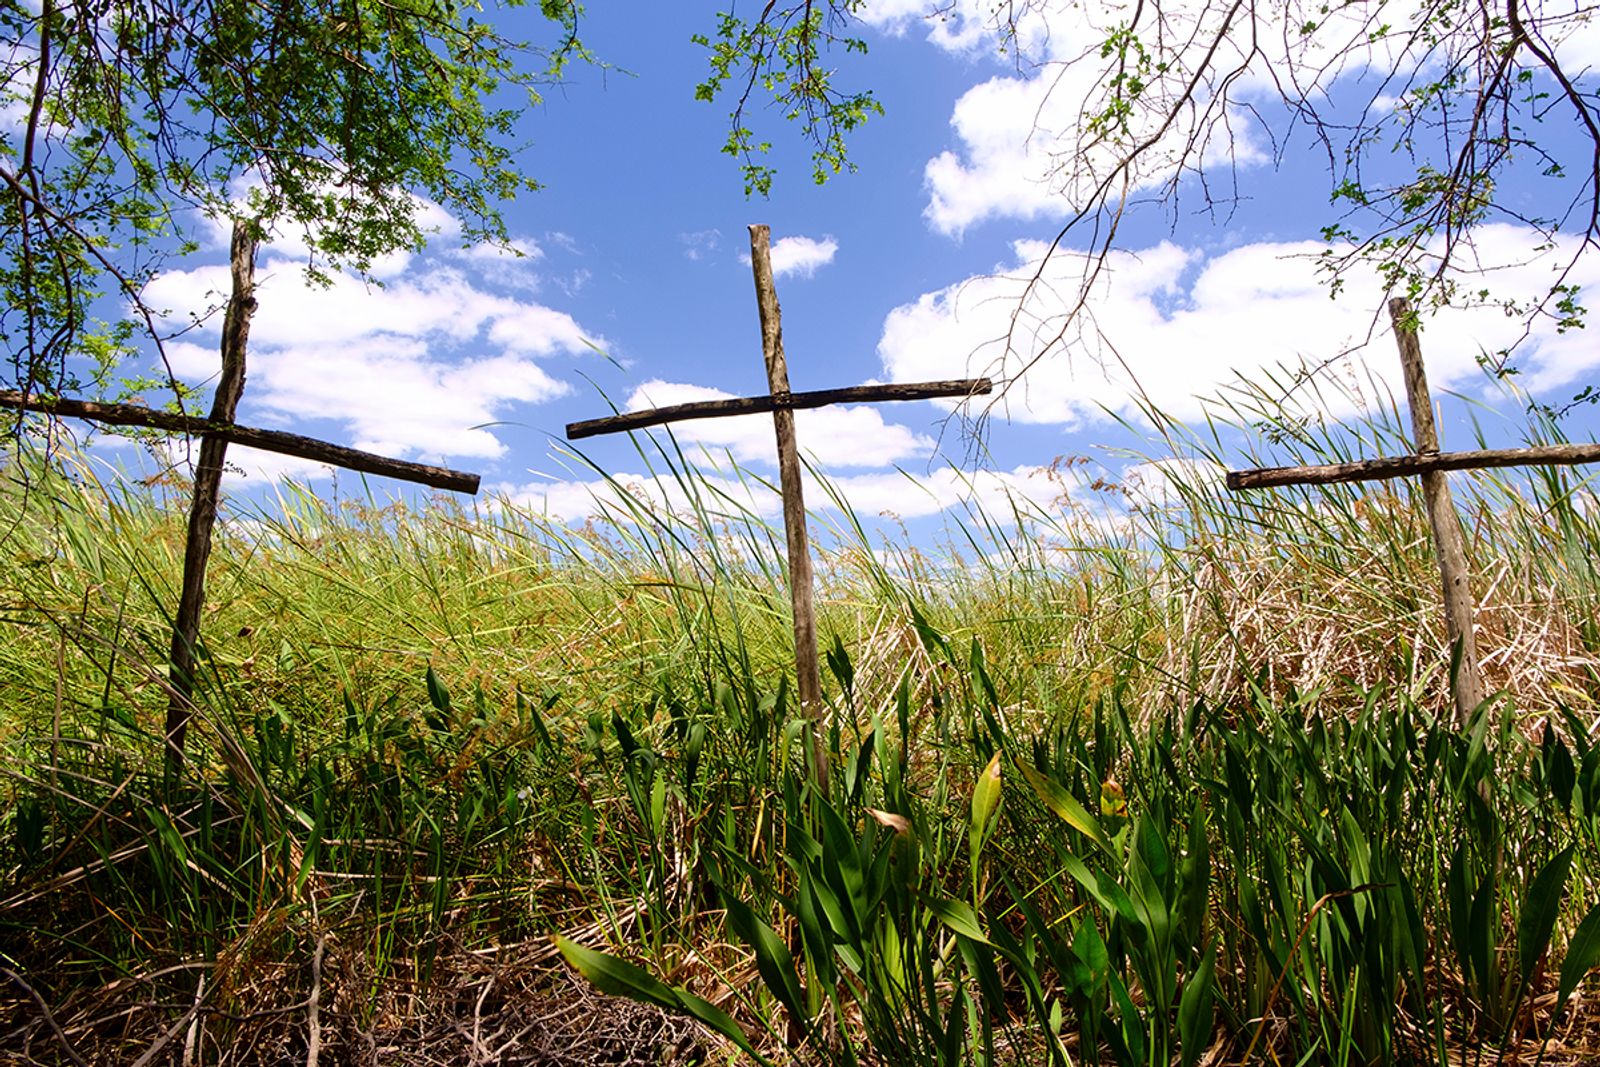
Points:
x=985, y=798
x=773, y=958
x=957, y=915
x=439, y=697
x=1560, y=773
x=985, y=801
x=1105, y=890
x=616, y=977
x=1128, y=1020
x=619, y=978
x=1055, y=797
x=1540, y=911
x=1090, y=949
x=1195, y=1008
x=1583, y=955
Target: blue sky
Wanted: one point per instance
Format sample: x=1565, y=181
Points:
x=632, y=283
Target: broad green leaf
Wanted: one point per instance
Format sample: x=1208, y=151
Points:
x=841, y=863
x=1194, y=883
x=619, y=978
x=958, y=916
x=1540, y=911
x=439, y=698
x=1483, y=928
x=1195, y=1008
x=1090, y=949
x=1129, y=1021
x=658, y=804
x=1583, y=955
x=616, y=977
x=1064, y=804
x=985, y=799
x=1560, y=774
x=773, y=958
x=1459, y=896
x=1106, y=892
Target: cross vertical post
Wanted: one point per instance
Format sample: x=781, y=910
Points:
x=809, y=678
x=208, y=491
x=1467, y=684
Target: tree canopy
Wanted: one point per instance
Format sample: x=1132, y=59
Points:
x=130, y=124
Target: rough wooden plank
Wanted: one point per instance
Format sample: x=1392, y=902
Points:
x=1453, y=572
x=1372, y=470
x=758, y=405
x=285, y=444
x=794, y=507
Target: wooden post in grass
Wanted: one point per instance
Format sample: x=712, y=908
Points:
x=1432, y=465
x=783, y=403
x=1454, y=575
x=208, y=489
x=809, y=688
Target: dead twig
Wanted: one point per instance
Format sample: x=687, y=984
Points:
x=49, y=1016
x=173, y=1031
x=314, y=1006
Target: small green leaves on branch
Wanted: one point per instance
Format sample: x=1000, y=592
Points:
x=328, y=120
x=782, y=55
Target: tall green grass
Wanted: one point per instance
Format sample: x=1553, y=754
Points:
x=1145, y=774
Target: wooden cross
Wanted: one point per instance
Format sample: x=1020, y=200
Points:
x=782, y=404
x=215, y=434
x=1431, y=464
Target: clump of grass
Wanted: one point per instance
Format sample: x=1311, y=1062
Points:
x=1140, y=776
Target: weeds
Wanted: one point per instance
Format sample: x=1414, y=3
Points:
x=1159, y=778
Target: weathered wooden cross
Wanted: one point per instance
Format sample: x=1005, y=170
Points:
x=215, y=434
x=1431, y=464
x=783, y=404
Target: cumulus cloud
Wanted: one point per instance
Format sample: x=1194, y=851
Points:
x=418, y=366
x=1161, y=483
x=962, y=26
x=251, y=466
x=1001, y=495
x=1169, y=325
x=799, y=255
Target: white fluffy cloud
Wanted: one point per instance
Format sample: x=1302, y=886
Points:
x=834, y=437
x=799, y=255
x=1025, y=151
x=1047, y=140
x=1167, y=325
x=999, y=494
x=416, y=367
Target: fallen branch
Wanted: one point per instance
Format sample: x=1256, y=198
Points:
x=285, y=444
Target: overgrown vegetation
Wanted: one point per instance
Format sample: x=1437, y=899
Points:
x=1149, y=776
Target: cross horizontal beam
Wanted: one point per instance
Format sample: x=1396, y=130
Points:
x=757, y=405
x=285, y=444
x=1371, y=470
